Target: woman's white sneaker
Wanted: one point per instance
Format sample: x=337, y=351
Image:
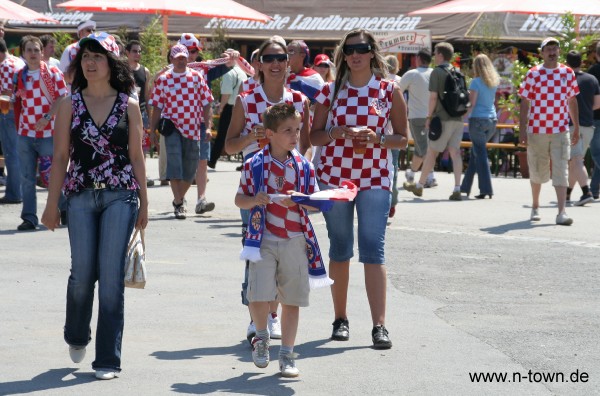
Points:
x=77, y=353
x=105, y=374
x=563, y=219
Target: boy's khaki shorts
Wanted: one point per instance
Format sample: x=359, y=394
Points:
x=282, y=274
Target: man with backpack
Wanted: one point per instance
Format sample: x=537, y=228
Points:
x=448, y=102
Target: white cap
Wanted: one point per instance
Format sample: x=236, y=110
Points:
x=86, y=24
x=550, y=40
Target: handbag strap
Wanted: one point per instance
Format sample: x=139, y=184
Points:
x=132, y=240
x=142, y=235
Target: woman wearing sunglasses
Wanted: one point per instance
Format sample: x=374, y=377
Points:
x=246, y=130
x=349, y=123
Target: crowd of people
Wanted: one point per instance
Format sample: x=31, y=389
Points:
x=300, y=129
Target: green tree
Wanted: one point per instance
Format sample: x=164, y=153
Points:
x=154, y=42
x=63, y=39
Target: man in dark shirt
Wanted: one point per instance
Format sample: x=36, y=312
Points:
x=595, y=143
x=587, y=100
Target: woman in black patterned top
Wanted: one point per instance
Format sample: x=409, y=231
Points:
x=99, y=132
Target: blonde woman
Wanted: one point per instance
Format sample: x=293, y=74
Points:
x=350, y=123
x=325, y=67
x=482, y=125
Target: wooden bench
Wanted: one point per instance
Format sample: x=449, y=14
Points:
x=495, y=150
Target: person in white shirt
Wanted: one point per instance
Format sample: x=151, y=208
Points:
x=84, y=29
x=416, y=83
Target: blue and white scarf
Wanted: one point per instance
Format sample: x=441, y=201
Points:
x=259, y=172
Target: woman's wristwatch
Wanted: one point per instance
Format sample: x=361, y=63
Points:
x=382, y=139
x=47, y=117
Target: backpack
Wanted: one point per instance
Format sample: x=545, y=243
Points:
x=456, y=95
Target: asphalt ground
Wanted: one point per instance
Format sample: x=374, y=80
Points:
x=474, y=287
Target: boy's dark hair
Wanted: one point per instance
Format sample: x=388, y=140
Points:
x=131, y=43
x=47, y=39
x=29, y=39
x=446, y=49
x=573, y=59
x=276, y=114
x=424, y=55
x=3, y=47
x=121, y=78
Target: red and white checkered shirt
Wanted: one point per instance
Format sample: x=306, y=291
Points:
x=281, y=221
x=68, y=55
x=182, y=98
x=249, y=84
x=8, y=68
x=369, y=106
x=549, y=91
x=255, y=103
x=34, y=104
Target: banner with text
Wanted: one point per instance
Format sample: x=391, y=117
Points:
x=407, y=42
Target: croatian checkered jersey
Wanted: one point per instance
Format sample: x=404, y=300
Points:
x=182, y=98
x=68, y=55
x=281, y=221
x=249, y=84
x=8, y=68
x=549, y=91
x=369, y=106
x=255, y=103
x=34, y=103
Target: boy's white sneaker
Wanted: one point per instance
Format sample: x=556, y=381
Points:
x=287, y=366
x=260, y=352
x=274, y=326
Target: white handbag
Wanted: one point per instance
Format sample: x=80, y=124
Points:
x=135, y=262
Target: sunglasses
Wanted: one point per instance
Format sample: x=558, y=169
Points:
x=358, y=48
x=325, y=65
x=274, y=57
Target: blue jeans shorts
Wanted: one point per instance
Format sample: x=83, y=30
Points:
x=203, y=144
x=182, y=157
x=372, y=209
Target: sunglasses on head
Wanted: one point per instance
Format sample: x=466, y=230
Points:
x=362, y=49
x=273, y=57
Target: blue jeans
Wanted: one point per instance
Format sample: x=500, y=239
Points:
x=395, y=158
x=8, y=137
x=30, y=149
x=100, y=225
x=372, y=210
x=481, y=131
x=595, y=152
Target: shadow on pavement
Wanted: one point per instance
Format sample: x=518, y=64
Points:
x=519, y=225
x=52, y=379
x=243, y=384
x=241, y=350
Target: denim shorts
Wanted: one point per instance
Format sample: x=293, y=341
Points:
x=182, y=157
x=372, y=209
x=203, y=144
